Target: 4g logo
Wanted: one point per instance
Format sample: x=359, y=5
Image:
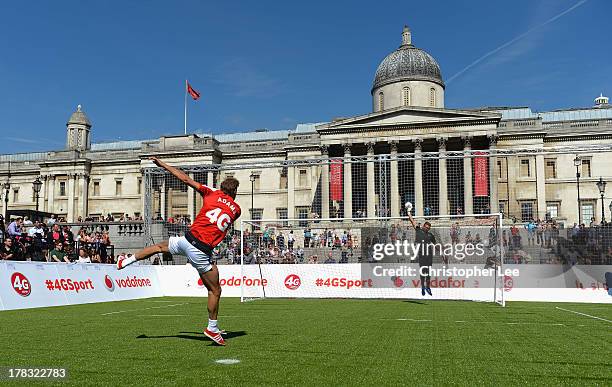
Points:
x=21, y=284
x=292, y=281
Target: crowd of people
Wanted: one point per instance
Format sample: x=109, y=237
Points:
x=51, y=241
x=535, y=241
x=282, y=245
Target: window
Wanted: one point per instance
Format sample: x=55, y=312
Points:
x=552, y=210
x=381, y=101
x=256, y=214
x=302, y=213
x=551, y=169
x=96, y=188
x=118, y=187
x=525, y=170
x=526, y=211
x=406, y=96
x=16, y=195
x=283, y=178
x=432, y=97
x=139, y=185
x=62, y=188
x=281, y=213
x=499, y=168
x=303, y=178
x=588, y=212
x=586, y=168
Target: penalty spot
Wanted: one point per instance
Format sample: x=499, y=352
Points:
x=227, y=361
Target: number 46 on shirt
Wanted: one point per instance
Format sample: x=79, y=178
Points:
x=216, y=216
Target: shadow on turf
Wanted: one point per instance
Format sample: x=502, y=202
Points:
x=199, y=336
x=415, y=302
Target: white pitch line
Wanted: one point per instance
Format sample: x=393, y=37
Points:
x=584, y=314
x=139, y=310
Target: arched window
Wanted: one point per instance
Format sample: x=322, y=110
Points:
x=432, y=97
x=406, y=96
x=381, y=101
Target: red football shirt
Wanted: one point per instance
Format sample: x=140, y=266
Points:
x=218, y=212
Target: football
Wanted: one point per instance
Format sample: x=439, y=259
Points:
x=408, y=206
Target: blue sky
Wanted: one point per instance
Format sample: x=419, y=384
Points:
x=272, y=64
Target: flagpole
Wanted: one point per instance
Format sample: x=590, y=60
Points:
x=185, y=107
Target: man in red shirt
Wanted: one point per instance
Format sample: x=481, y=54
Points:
x=219, y=211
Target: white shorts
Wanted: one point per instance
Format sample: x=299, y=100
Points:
x=197, y=258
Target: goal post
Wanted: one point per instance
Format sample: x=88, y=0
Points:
x=373, y=258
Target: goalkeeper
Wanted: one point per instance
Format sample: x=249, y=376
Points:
x=423, y=238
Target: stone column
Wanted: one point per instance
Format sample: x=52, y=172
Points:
x=418, y=178
x=541, y=187
x=442, y=178
x=492, y=175
x=468, y=197
x=325, y=182
x=191, y=200
x=71, y=186
x=395, y=196
x=371, y=190
x=210, y=179
x=348, y=183
x=291, y=192
x=162, y=199
x=50, y=194
x=84, y=207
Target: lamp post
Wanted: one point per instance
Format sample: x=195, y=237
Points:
x=36, y=186
x=252, y=178
x=601, y=186
x=610, y=207
x=7, y=187
x=578, y=163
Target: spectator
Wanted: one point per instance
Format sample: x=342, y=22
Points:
x=36, y=229
x=27, y=222
x=2, y=229
x=15, y=228
x=58, y=254
x=290, y=240
x=51, y=221
x=330, y=258
x=83, y=256
x=55, y=235
x=7, y=251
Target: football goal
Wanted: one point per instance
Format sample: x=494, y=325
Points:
x=458, y=258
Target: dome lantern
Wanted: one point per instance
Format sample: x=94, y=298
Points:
x=410, y=70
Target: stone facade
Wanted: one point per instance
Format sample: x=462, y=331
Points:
x=97, y=179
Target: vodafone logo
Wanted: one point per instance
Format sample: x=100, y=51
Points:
x=292, y=281
x=108, y=283
x=21, y=284
x=508, y=283
x=397, y=281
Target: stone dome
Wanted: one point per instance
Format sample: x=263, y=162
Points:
x=407, y=63
x=79, y=117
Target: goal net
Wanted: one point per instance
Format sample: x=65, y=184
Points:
x=460, y=259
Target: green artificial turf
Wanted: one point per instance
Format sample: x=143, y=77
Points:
x=315, y=342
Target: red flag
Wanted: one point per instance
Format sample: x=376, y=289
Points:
x=335, y=172
x=481, y=176
x=192, y=92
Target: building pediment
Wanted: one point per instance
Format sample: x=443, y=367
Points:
x=409, y=117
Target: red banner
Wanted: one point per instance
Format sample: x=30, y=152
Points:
x=481, y=176
x=335, y=180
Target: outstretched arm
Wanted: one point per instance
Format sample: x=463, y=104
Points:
x=182, y=176
x=411, y=220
